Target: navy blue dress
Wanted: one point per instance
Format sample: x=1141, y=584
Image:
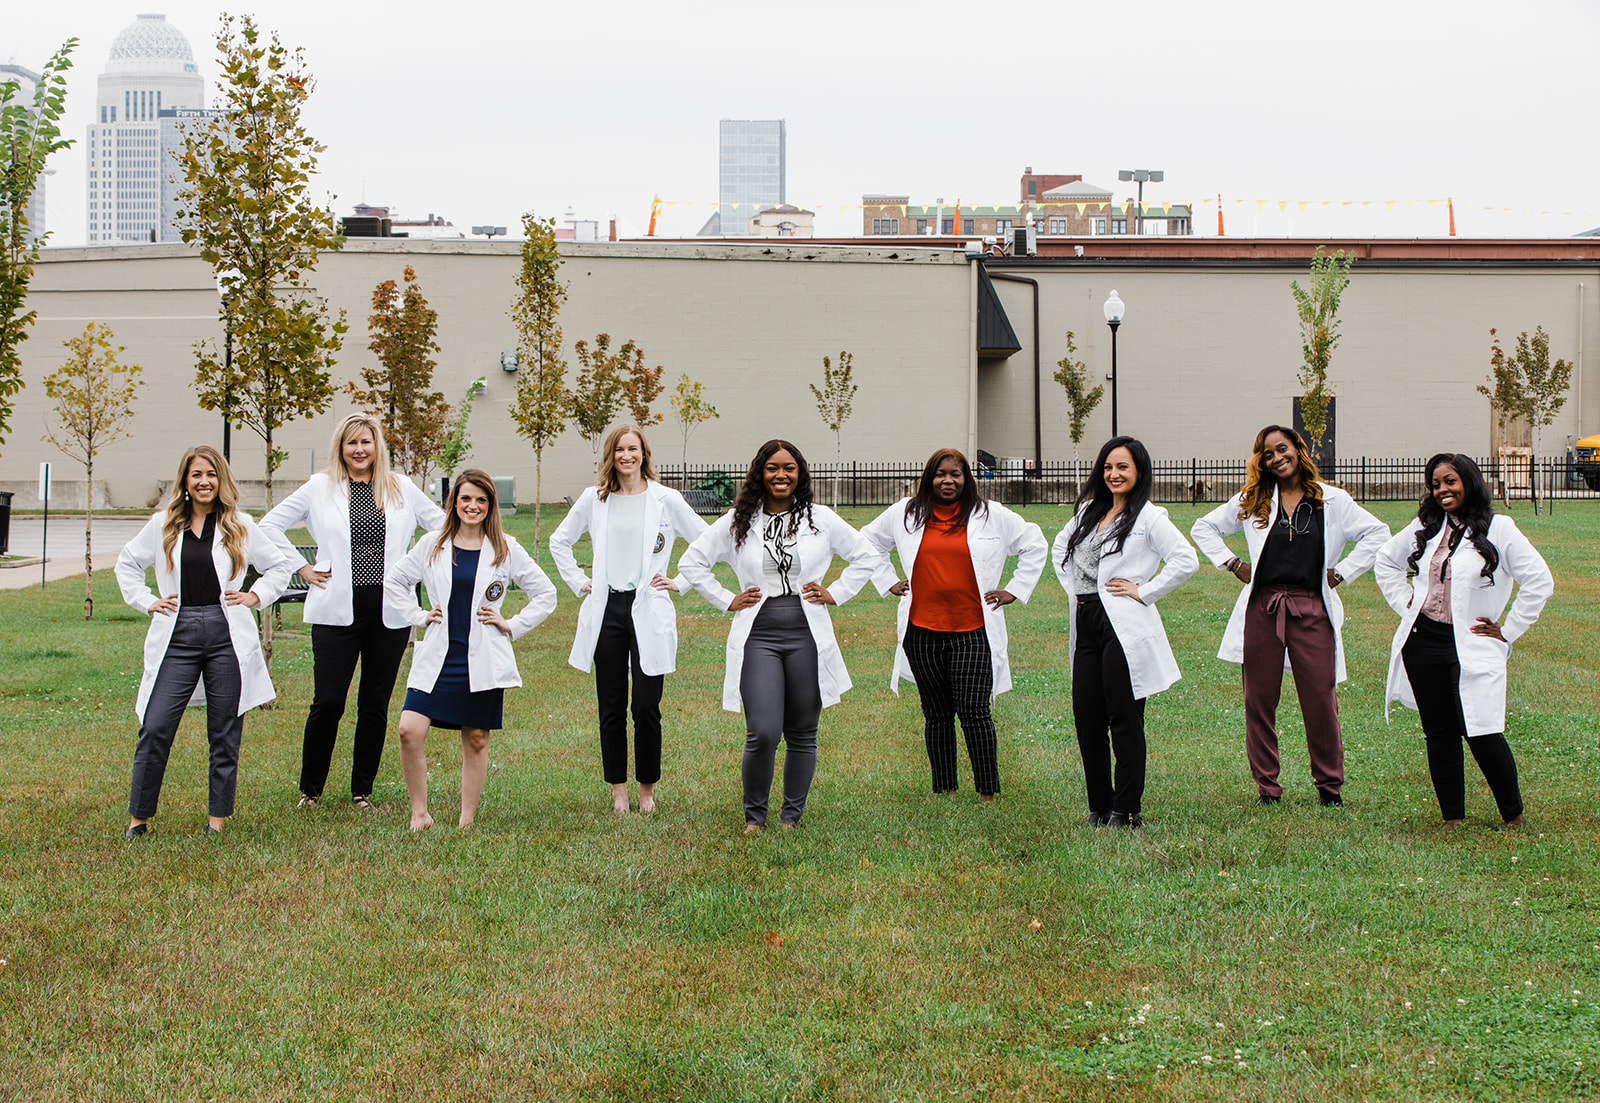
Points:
x=452, y=704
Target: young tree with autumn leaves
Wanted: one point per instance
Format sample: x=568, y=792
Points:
x=416, y=420
x=94, y=395
x=834, y=401
x=542, y=407
x=245, y=201
x=690, y=407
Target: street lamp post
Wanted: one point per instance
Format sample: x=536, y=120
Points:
x=1114, y=308
x=1141, y=175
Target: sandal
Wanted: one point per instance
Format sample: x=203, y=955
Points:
x=307, y=802
x=363, y=802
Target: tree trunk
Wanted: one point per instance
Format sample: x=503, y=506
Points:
x=88, y=543
x=538, y=496
x=268, y=614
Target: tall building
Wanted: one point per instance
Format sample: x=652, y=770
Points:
x=150, y=73
x=752, y=172
x=27, y=81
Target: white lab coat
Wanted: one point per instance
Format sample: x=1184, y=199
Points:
x=1153, y=541
x=324, y=508
x=992, y=535
x=655, y=622
x=491, y=662
x=144, y=551
x=1483, y=658
x=1343, y=522
x=827, y=535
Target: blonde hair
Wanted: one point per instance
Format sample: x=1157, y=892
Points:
x=1255, y=500
x=608, y=481
x=180, y=509
x=492, y=532
x=384, y=482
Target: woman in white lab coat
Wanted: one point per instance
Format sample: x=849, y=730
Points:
x=952, y=626
x=1289, y=616
x=1449, y=574
x=462, y=666
x=627, y=621
x=362, y=517
x=203, y=646
x=783, y=663
x=1116, y=558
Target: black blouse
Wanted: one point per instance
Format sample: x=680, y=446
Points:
x=198, y=583
x=1294, y=550
x=367, y=531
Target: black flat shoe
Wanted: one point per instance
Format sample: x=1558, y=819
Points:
x=1125, y=819
x=137, y=831
x=211, y=830
x=1096, y=819
x=1330, y=800
x=1268, y=801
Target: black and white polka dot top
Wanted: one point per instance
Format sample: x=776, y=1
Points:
x=366, y=537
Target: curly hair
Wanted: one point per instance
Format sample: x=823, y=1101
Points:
x=180, y=509
x=753, y=493
x=1095, y=500
x=1255, y=500
x=1477, y=510
x=922, y=502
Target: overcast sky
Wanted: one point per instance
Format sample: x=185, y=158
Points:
x=478, y=112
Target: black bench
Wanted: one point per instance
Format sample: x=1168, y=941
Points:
x=704, y=502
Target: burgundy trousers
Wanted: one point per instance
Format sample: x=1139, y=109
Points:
x=1282, y=619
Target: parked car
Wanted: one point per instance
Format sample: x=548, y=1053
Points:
x=1586, y=460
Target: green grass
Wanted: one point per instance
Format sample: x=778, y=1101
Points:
x=884, y=951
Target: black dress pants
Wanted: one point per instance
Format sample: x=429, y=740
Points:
x=335, y=650
x=616, y=653
x=955, y=677
x=1102, y=700
x=1434, y=670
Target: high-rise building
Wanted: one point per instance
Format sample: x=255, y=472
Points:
x=27, y=81
x=149, y=74
x=752, y=172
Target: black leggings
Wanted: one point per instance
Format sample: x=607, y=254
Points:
x=782, y=698
x=1102, y=700
x=335, y=650
x=1434, y=671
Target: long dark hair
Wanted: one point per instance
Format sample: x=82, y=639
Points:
x=1094, y=502
x=493, y=534
x=920, y=508
x=1477, y=510
x=754, y=492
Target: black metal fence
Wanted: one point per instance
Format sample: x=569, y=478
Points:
x=1367, y=478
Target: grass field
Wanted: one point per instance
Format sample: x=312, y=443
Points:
x=897, y=946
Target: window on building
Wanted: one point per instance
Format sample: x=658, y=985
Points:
x=1119, y=225
x=886, y=225
x=1058, y=225
x=1033, y=187
x=1002, y=225
x=949, y=226
x=966, y=226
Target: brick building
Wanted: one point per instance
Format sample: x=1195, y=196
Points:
x=1061, y=206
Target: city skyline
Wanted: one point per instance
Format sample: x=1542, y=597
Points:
x=1401, y=109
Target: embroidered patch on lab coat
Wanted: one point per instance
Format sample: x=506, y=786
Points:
x=495, y=591
x=661, y=542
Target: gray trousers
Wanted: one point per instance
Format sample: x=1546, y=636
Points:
x=782, y=698
x=200, y=648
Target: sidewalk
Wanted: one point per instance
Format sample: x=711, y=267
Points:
x=65, y=546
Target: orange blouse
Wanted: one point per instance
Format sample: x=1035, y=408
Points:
x=944, y=589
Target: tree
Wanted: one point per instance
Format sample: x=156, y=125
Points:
x=245, y=201
x=598, y=391
x=1526, y=385
x=1073, y=375
x=690, y=406
x=641, y=388
x=456, y=446
x=28, y=136
x=94, y=396
x=833, y=403
x=1319, y=329
x=416, y=420
x=541, y=409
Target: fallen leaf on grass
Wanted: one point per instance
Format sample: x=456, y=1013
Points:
x=773, y=939
x=1036, y=926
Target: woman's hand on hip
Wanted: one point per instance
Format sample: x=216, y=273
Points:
x=586, y=587
x=1487, y=626
x=488, y=614
x=901, y=588
x=996, y=598
x=1240, y=570
x=662, y=582
x=165, y=607
x=1334, y=579
x=237, y=597
x=1121, y=587
x=435, y=616
x=815, y=593
x=745, y=599
x=314, y=577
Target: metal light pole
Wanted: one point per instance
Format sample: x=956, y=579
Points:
x=1114, y=308
x=1141, y=175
